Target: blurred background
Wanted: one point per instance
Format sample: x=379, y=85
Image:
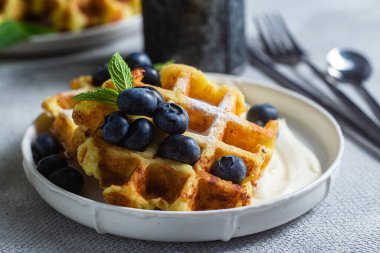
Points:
x=101, y=27
x=319, y=25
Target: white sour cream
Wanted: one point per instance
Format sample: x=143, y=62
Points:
x=292, y=167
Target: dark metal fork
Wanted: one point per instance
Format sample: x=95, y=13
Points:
x=281, y=47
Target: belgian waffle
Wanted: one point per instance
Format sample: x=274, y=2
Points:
x=143, y=180
x=59, y=108
x=69, y=15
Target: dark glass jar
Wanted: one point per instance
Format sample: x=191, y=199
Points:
x=207, y=34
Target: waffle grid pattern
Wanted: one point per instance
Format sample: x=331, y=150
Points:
x=142, y=180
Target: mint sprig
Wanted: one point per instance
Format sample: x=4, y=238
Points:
x=122, y=78
x=158, y=66
x=104, y=95
x=120, y=73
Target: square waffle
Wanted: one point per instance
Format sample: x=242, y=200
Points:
x=143, y=180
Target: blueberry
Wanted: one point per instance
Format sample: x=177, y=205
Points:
x=230, y=168
x=158, y=95
x=100, y=75
x=115, y=127
x=68, y=178
x=262, y=114
x=138, y=58
x=171, y=118
x=180, y=148
x=45, y=145
x=140, y=135
x=151, y=75
x=137, y=101
x=51, y=163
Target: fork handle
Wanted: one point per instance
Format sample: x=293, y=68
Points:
x=371, y=101
x=359, y=113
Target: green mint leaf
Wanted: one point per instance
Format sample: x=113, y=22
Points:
x=122, y=78
x=121, y=74
x=13, y=32
x=103, y=95
x=35, y=29
x=160, y=65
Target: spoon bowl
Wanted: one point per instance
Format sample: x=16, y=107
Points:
x=349, y=66
x=346, y=65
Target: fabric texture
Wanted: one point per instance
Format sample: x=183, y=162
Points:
x=347, y=221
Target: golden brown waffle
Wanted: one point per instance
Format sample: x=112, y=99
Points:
x=59, y=108
x=71, y=15
x=143, y=180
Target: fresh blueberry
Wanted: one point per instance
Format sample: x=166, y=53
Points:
x=68, y=178
x=180, y=148
x=158, y=95
x=137, y=101
x=51, y=163
x=262, y=114
x=138, y=58
x=171, y=118
x=151, y=75
x=115, y=127
x=140, y=135
x=45, y=145
x=230, y=168
x=100, y=75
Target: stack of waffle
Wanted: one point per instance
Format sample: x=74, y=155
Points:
x=143, y=180
x=69, y=15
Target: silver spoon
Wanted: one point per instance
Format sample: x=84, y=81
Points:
x=349, y=66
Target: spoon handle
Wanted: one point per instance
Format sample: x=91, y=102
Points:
x=373, y=104
x=353, y=109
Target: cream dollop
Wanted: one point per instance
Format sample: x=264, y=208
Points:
x=292, y=167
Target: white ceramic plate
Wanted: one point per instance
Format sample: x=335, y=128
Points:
x=65, y=42
x=316, y=128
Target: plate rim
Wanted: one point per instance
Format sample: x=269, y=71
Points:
x=30, y=166
x=51, y=37
x=43, y=44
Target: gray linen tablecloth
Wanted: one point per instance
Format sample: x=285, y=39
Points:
x=347, y=221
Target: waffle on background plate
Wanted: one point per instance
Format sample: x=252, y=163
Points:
x=143, y=180
x=68, y=15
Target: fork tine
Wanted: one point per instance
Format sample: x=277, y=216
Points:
x=271, y=35
x=281, y=22
x=277, y=35
x=268, y=47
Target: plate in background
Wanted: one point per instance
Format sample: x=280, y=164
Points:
x=311, y=123
x=66, y=42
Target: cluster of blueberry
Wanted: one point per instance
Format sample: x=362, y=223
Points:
x=134, y=60
x=168, y=117
x=46, y=154
x=147, y=101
